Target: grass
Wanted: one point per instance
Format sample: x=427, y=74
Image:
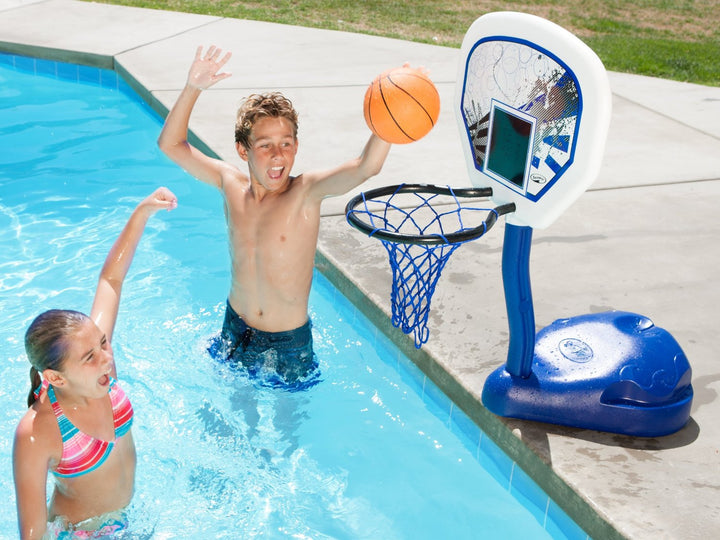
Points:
x=673, y=39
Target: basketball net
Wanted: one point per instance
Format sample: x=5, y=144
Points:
x=416, y=270
x=419, y=232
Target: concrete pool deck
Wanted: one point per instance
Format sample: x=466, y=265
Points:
x=644, y=238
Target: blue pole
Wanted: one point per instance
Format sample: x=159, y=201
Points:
x=518, y=299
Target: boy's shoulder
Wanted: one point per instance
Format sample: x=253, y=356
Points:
x=233, y=178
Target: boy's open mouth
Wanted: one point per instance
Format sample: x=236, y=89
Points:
x=276, y=172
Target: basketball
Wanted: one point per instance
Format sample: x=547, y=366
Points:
x=401, y=105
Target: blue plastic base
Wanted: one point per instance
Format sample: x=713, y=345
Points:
x=613, y=371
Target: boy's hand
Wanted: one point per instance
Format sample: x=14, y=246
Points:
x=204, y=69
x=422, y=69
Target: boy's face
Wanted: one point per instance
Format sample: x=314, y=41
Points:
x=272, y=151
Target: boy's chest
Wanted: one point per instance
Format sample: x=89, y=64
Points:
x=276, y=220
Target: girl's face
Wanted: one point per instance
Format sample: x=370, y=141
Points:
x=88, y=364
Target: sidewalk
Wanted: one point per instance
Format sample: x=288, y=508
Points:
x=644, y=238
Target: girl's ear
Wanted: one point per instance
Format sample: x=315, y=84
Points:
x=53, y=377
x=242, y=151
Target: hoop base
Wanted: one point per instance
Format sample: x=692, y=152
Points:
x=613, y=371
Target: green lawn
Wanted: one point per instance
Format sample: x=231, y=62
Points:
x=673, y=39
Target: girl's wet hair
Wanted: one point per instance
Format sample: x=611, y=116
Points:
x=257, y=106
x=46, y=342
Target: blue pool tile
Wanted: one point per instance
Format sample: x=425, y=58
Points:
x=25, y=63
x=559, y=525
x=68, y=72
x=387, y=351
x=410, y=374
x=466, y=430
x=89, y=74
x=525, y=490
x=109, y=79
x=497, y=462
x=46, y=67
x=323, y=288
x=438, y=403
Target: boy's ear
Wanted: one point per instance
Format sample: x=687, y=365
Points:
x=242, y=151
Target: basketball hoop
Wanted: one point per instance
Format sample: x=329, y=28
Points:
x=420, y=226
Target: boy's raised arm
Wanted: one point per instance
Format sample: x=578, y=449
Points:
x=204, y=72
x=352, y=173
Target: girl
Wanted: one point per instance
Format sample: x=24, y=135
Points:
x=78, y=422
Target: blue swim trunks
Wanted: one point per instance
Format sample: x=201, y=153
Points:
x=276, y=359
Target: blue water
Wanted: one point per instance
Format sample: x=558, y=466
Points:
x=373, y=451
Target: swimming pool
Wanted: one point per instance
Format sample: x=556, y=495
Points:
x=373, y=451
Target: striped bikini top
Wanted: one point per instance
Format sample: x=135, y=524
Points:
x=82, y=453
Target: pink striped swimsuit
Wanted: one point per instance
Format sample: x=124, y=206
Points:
x=81, y=452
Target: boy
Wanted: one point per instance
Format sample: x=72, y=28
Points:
x=272, y=217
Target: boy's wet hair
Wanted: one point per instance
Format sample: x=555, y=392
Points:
x=257, y=106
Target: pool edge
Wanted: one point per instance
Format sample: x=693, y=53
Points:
x=59, y=55
x=571, y=502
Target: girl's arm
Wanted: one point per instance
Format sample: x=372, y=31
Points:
x=30, y=470
x=107, y=296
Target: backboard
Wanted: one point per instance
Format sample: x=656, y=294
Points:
x=533, y=107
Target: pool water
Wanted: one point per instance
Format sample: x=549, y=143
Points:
x=372, y=451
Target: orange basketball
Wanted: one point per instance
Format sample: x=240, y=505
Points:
x=401, y=105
